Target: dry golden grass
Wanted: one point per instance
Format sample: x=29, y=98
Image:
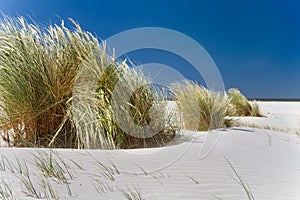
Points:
x=200, y=108
x=240, y=106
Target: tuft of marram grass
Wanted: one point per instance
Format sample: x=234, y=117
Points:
x=200, y=108
x=127, y=100
x=240, y=106
x=105, y=81
x=38, y=68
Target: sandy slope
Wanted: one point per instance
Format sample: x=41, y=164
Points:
x=267, y=161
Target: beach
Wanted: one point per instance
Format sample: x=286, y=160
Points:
x=260, y=161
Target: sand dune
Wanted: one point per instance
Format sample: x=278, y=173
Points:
x=266, y=161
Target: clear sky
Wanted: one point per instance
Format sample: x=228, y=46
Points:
x=255, y=43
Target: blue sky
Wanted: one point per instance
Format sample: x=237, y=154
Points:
x=255, y=43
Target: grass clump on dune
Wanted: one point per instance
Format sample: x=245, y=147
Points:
x=56, y=89
x=38, y=68
x=129, y=112
x=200, y=108
x=119, y=107
x=240, y=106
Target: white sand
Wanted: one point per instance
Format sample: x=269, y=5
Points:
x=279, y=116
x=267, y=161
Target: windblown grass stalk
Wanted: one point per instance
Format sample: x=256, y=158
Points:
x=6, y=191
x=100, y=186
x=107, y=171
x=240, y=106
x=201, y=109
x=245, y=186
x=134, y=194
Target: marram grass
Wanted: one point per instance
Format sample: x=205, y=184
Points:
x=118, y=89
x=201, y=109
x=129, y=112
x=60, y=88
x=240, y=106
x=56, y=89
x=38, y=68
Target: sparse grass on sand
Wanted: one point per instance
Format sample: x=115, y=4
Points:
x=38, y=177
x=132, y=194
x=6, y=191
x=52, y=165
x=245, y=186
